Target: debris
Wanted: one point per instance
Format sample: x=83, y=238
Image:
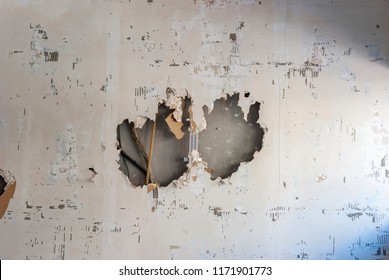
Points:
x=217, y=211
x=94, y=173
x=175, y=126
x=150, y=152
x=209, y=170
x=193, y=125
x=151, y=187
x=320, y=178
x=174, y=247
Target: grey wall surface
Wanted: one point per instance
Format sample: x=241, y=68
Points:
x=72, y=71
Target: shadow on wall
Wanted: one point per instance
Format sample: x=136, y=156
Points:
x=374, y=246
x=359, y=23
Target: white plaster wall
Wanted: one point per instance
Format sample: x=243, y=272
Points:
x=318, y=189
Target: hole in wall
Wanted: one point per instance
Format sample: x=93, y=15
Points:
x=7, y=190
x=170, y=148
x=2, y=185
x=229, y=139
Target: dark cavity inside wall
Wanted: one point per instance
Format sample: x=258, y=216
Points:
x=170, y=154
x=228, y=139
x=3, y=184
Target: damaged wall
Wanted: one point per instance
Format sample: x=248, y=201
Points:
x=315, y=186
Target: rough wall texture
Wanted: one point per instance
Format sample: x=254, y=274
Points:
x=71, y=71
